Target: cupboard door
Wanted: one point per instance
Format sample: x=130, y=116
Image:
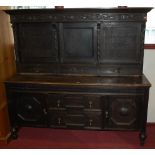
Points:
x=79, y=42
x=120, y=43
x=123, y=112
x=30, y=109
x=37, y=42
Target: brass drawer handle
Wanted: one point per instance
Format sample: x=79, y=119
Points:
x=44, y=110
x=59, y=120
x=106, y=114
x=58, y=103
x=29, y=107
x=90, y=104
x=90, y=122
x=118, y=70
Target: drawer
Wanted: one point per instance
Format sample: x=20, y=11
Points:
x=86, y=120
x=94, y=120
x=74, y=101
x=57, y=119
x=93, y=102
x=61, y=119
x=75, y=120
x=83, y=101
x=55, y=101
x=75, y=111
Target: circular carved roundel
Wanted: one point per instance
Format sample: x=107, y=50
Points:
x=123, y=111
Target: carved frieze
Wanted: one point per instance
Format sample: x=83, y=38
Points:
x=78, y=17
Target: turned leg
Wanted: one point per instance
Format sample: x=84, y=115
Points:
x=142, y=137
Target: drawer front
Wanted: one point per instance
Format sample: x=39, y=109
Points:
x=61, y=119
x=85, y=120
x=79, y=111
x=94, y=120
x=93, y=102
x=57, y=119
x=55, y=101
x=72, y=101
x=75, y=121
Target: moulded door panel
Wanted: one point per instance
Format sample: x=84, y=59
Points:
x=123, y=112
x=37, y=42
x=79, y=42
x=30, y=109
x=120, y=43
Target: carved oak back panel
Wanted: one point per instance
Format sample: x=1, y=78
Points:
x=120, y=43
x=36, y=43
x=79, y=41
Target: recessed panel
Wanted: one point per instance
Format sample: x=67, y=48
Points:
x=120, y=43
x=37, y=42
x=29, y=108
x=123, y=112
x=79, y=43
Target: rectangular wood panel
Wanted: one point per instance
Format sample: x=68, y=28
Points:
x=37, y=43
x=79, y=43
x=121, y=43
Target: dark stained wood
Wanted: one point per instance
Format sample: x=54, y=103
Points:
x=123, y=81
x=83, y=10
x=124, y=43
x=79, y=69
x=123, y=112
x=109, y=41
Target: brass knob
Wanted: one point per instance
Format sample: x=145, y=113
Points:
x=106, y=114
x=45, y=112
x=90, y=122
x=59, y=120
x=58, y=103
x=29, y=107
x=90, y=104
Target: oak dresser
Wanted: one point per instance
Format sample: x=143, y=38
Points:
x=79, y=69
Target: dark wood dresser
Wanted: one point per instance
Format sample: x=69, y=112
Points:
x=79, y=69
